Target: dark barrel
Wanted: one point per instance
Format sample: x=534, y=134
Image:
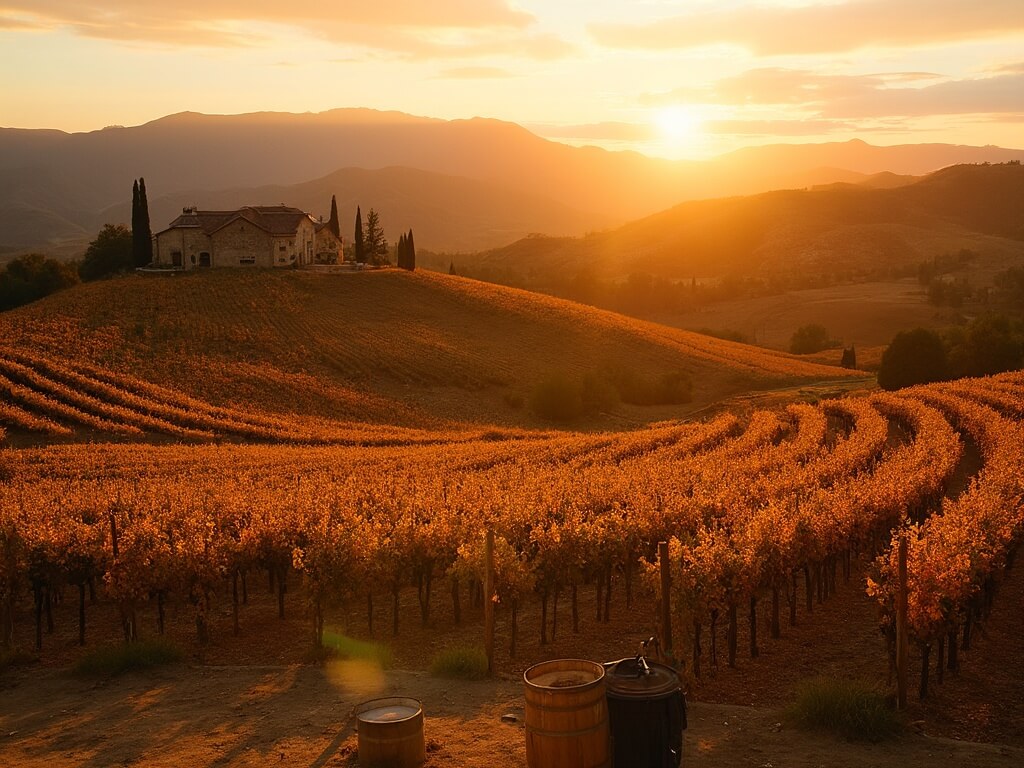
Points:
x=647, y=714
x=566, y=715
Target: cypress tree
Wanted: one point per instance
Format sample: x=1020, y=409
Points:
x=136, y=225
x=146, y=239
x=410, y=248
x=357, y=240
x=333, y=224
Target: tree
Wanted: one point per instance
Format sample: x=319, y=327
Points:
x=809, y=339
x=375, y=245
x=109, y=253
x=32, y=277
x=142, y=234
x=913, y=357
x=990, y=344
x=405, y=252
x=357, y=240
x=332, y=223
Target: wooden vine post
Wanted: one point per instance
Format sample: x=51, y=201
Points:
x=666, y=597
x=488, y=601
x=902, y=647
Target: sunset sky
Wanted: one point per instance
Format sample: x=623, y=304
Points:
x=674, y=79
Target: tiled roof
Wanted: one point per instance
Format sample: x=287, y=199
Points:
x=274, y=219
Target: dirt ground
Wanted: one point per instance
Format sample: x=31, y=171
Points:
x=249, y=700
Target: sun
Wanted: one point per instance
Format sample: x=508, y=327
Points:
x=677, y=125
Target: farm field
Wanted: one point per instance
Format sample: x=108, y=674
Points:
x=295, y=549
x=770, y=515
x=420, y=350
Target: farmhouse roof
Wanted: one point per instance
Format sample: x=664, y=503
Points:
x=273, y=219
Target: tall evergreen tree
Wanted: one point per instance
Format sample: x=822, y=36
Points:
x=333, y=224
x=357, y=241
x=136, y=225
x=375, y=244
x=147, y=246
x=142, y=235
x=410, y=251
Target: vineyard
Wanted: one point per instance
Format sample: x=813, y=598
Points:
x=764, y=513
x=389, y=348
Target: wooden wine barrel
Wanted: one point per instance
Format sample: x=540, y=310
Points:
x=566, y=715
x=391, y=733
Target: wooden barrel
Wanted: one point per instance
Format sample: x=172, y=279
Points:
x=391, y=733
x=566, y=715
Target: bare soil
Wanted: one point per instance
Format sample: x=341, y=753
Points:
x=251, y=699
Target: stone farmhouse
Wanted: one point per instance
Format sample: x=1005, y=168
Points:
x=253, y=236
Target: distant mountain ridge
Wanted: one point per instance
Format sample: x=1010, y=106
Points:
x=57, y=186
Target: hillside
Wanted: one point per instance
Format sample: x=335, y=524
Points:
x=841, y=228
x=55, y=187
x=389, y=347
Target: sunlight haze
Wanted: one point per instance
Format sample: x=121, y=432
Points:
x=674, y=79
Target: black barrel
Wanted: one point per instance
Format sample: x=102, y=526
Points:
x=646, y=713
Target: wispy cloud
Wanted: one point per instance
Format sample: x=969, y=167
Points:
x=856, y=97
x=822, y=28
x=405, y=28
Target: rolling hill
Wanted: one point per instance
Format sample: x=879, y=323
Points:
x=55, y=187
x=840, y=228
x=388, y=347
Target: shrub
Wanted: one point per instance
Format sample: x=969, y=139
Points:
x=913, y=357
x=344, y=647
x=118, y=659
x=808, y=339
x=850, y=708
x=460, y=663
x=668, y=389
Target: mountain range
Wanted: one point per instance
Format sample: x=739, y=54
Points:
x=462, y=184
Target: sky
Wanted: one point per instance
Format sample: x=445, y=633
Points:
x=683, y=79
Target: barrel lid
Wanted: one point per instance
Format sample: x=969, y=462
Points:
x=625, y=679
x=393, y=709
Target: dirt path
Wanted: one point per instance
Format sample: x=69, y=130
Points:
x=301, y=715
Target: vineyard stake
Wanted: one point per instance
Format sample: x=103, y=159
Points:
x=666, y=596
x=488, y=602
x=902, y=649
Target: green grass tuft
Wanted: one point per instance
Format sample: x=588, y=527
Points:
x=118, y=659
x=344, y=647
x=460, y=663
x=853, y=709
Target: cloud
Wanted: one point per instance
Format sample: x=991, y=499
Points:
x=406, y=28
x=822, y=28
x=474, y=73
x=856, y=97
